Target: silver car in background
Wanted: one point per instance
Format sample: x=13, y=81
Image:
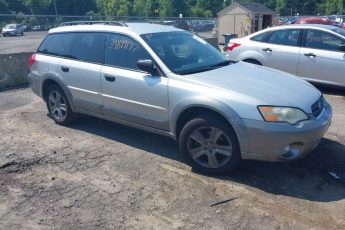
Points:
x=167, y=81
x=12, y=30
x=315, y=53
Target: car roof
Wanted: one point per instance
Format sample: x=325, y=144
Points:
x=323, y=26
x=296, y=26
x=138, y=28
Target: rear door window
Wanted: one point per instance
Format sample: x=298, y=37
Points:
x=88, y=47
x=59, y=44
x=260, y=37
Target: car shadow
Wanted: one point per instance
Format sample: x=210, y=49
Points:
x=307, y=178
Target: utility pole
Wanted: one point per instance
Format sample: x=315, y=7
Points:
x=56, y=13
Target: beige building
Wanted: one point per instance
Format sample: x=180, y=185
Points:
x=243, y=19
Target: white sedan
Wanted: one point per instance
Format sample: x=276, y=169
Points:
x=315, y=53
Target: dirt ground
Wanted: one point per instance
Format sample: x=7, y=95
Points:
x=99, y=175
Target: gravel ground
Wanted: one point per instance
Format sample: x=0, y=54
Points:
x=99, y=175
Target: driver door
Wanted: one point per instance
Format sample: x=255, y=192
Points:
x=128, y=93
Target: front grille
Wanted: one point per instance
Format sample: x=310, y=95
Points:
x=317, y=107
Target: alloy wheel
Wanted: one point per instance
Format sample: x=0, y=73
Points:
x=57, y=105
x=209, y=147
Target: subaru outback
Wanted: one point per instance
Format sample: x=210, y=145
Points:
x=168, y=81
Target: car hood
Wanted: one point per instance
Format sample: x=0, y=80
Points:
x=263, y=85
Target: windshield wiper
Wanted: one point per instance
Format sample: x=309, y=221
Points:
x=206, y=68
x=222, y=63
x=196, y=70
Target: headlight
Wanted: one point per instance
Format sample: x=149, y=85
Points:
x=282, y=114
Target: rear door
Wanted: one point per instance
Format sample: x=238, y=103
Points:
x=129, y=93
x=81, y=70
x=320, y=58
x=281, y=50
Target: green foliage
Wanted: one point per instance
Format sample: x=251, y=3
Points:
x=38, y=6
x=163, y=8
x=166, y=8
x=139, y=8
x=180, y=7
x=332, y=7
x=152, y=8
x=3, y=7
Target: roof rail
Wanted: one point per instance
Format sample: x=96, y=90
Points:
x=111, y=23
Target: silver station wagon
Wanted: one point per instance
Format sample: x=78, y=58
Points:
x=167, y=81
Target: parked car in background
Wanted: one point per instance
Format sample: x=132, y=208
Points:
x=37, y=28
x=313, y=52
x=171, y=82
x=316, y=20
x=181, y=24
x=26, y=27
x=283, y=21
x=12, y=30
x=293, y=20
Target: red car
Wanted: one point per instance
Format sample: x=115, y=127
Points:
x=315, y=20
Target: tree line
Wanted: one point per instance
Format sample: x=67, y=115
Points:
x=162, y=8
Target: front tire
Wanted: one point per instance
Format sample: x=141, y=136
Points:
x=210, y=145
x=58, y=106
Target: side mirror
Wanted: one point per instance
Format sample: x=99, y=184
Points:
x=342, y=48
x=147, y=66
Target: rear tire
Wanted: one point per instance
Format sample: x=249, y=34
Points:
x=58, y=106
x=209, y=145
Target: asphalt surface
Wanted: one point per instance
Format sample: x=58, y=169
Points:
x=99, y=175
x=21, y=44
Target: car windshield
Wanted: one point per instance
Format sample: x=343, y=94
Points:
x=339, y=31
x=185, y=53
x=10, y=27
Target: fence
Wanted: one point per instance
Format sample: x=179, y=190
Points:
x=46, y=22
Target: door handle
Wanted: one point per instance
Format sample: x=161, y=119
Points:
x=109, y=78
x=64, y=69
x=311, y=55
x=268, y=50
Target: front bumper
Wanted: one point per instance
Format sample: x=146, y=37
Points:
x=280, y=141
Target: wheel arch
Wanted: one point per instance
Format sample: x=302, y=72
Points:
x=185, y=113
x=49, y=80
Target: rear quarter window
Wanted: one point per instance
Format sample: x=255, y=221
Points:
x=57, y=44
x=260, y=37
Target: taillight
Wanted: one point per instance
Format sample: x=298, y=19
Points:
x=232, y=45
x=32, y=60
